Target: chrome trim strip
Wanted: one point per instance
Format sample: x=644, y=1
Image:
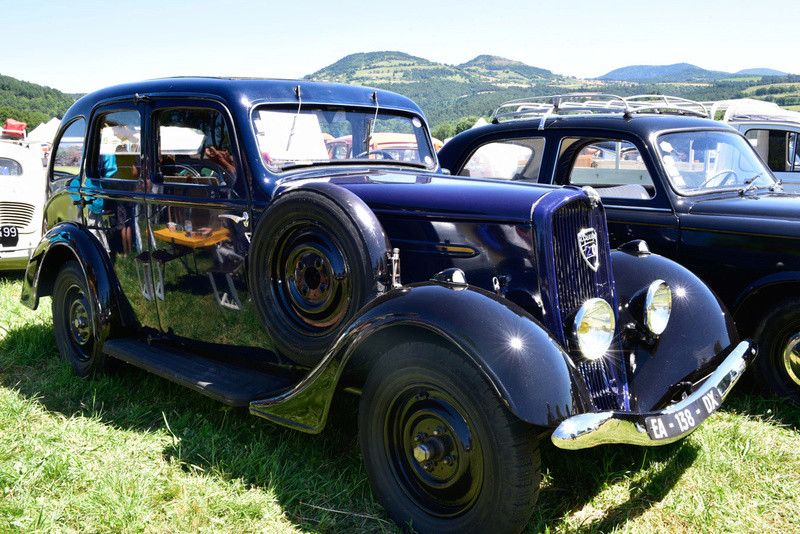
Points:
x=610, y=206
x=591, y=429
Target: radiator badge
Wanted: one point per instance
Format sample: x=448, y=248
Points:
x=587, y=243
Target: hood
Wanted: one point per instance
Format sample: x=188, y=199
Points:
x=753, y=204
x=440, y=196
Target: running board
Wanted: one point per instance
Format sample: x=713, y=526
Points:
x=227, y=383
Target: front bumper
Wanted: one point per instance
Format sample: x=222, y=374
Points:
x=591, y=429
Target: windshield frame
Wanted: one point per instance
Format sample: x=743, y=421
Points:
x=764, y=171
x=422, y=133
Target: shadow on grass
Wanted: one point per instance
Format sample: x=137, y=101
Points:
x=318, y=480
x=575, y=478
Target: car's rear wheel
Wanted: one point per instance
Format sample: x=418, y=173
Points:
x=442, y=452
x=73, y=321
x=778, y=339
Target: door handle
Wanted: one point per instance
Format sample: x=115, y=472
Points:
x=244, y=218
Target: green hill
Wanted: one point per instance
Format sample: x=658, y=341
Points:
x=31, y=103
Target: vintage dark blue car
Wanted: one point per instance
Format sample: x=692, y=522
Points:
x=692, y=188
x=244, y=238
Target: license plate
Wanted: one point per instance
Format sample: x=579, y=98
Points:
x=673, y=424
x=9, y=236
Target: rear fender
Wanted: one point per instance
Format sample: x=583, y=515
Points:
x=65, y=242
x=526, y=366
x=694, y=342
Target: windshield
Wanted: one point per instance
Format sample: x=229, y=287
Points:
x=702, y=161
x=324, y=135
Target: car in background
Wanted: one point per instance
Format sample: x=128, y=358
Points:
x=203, y=229
x=772, y=130
x=22, y=196
x=386, y=145
x=693, y=189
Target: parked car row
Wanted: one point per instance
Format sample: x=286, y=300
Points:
x=245, y=238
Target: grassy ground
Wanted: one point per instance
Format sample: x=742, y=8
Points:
x=132, y=453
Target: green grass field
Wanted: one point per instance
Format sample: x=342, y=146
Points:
x=130, y=452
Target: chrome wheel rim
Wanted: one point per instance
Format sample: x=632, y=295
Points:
x=791, y=359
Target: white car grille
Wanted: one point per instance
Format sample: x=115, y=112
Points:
x=16, y=214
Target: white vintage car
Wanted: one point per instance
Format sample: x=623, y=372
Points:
x=22, y=195
x=772, y=130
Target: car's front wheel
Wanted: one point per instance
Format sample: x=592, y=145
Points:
x=73, y=321
x=778, y=340
x=442, y=452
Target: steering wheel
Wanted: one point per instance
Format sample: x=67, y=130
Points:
x=384, y=154
x=724, y=177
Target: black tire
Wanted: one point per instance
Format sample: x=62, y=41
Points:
x=421, y=399
x=310, y=272
x=73, y=321
x=777, y=366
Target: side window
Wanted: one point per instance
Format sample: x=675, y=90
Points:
x=68, y=152
x=116, y=146
x=777, y=148
x=194, y=147
x=613, y=167
x=516, y=159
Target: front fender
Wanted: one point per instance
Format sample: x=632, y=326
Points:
x=527, y=367
x=65, y=242
x=694, y=342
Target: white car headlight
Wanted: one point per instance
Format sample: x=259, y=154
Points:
x=594, y=328
x=657, y=307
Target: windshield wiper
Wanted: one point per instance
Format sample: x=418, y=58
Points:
x=750, y=183
x=777, y=186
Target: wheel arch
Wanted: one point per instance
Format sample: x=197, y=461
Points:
x=67, y=242
x=525, y=366
x=751, y=304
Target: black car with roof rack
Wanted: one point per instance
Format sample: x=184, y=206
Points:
x=693, y=189
x=211, y=232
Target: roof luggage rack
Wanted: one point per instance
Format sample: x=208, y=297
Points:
x=666, y=104
x=749, y=109
x=589, y=103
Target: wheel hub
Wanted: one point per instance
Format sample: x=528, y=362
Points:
x=791, y=359
x=311, y=278
x=80, y=325
x=433, y=451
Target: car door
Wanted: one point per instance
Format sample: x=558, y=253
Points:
x=112, y=201
x=199, y=224
x=621, y=171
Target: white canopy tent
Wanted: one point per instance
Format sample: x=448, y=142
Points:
x=45, y=132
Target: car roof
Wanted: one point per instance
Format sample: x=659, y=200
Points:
x=250, y=91
x=641, y=125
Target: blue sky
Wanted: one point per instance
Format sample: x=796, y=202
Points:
x=79, y=46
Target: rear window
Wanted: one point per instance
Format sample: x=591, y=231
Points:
x=10, y=167
x=68, y=153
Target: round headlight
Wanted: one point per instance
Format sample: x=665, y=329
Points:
x=594, y=328
x=657, y=307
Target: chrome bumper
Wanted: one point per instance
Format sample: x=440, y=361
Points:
x=590, y=429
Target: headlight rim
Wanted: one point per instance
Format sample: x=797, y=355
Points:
x=587, y=307
x=649, y=307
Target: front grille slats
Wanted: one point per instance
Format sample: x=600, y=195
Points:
x=16, y=214
x=575, y=283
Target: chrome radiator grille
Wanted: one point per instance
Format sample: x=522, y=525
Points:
x=576, y=282
x=16, y=214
